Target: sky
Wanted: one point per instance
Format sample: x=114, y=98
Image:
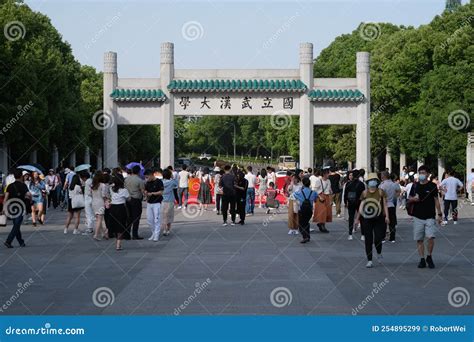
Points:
x=211, y=34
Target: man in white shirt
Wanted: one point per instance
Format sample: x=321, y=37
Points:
x=470, y=186
x=183, y=184
x=252, y=179
x=450, y=186
x=313, y=179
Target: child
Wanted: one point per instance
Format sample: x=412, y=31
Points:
x=271, y=195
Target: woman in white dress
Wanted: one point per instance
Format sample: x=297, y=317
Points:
x=99, y=196
x=262, y=181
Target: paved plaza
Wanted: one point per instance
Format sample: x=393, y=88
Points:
x=206, y=269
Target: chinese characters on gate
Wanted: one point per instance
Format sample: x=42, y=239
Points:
x=226, y=102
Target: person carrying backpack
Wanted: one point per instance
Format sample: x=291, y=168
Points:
x=305, y=198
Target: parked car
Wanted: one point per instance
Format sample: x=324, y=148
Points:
x=182, y=161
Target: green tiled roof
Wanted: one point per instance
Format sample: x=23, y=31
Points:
x=336, y=95
x=138, y=95
x=236, y=85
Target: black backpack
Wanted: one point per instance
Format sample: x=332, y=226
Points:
x=306, y=205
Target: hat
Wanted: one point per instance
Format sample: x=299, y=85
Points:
x=25, y=173
x=217, y=169
x=66, y=170
x=373, y=175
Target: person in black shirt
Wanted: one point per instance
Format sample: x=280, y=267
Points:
x=241, y=185
x=425, y=201
x=335, y=179
x=228, y=198
x=154, y=195
x=352, y=192
x=15, y=207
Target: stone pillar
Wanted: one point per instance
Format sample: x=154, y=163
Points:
x=441, y=168
x=4, y=157
x=167, y=108
x=388, y=160
x=87, y=156
x=469, y=154
x=110, y=111
x=363, y=112
x=72, y=159
x=403, y=161
x=306, y=107
x=99, y=160
x=34, y=157
x=349, y=165
x=55, y=157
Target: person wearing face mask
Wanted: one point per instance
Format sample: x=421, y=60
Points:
x=373, y=216
x=424, y=199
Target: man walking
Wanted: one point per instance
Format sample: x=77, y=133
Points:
x=183, y=184
x=392, y=191
x=352, y=192
x=450, y=186
x=305, y=198
x=15, y=207
x=135, y=186
x=251, y=179
x=335, y=179
x=424, y=198
x=228, y=198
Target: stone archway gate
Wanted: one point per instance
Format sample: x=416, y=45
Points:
x=318, y=101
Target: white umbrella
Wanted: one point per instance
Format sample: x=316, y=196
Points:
x=82, y=167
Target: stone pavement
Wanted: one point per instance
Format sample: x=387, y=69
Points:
x=205, y=269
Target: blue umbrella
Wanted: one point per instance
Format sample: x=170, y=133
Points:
x=30, y=168
x=82, y=167
x=132, y=164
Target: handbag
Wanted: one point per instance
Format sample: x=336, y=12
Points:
x=3, y=220
x=410, y=205
x=77, y=200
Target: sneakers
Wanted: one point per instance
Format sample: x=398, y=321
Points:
x=156, y=237
x=232, y=223
x=65, y=230
x=339, y=215
x=369, y=264
x=444, y=223
x=350, y=237
x=312, y=229
x=8, y=245
x=429, y=261
x=379, y=258
x=151, y=237
x=76, y=232
x=224, y=224
x=422, y=263
x=362, y=238
x=392, y=241
x=180, y=207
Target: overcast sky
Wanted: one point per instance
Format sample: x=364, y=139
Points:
x=217, y=34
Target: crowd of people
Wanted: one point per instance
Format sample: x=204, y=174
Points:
x=113, y=201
